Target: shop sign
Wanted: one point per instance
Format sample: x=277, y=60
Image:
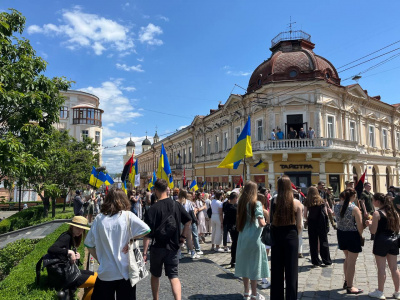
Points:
x=259, y=178
x=297, y=167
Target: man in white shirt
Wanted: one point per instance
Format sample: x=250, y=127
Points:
x=273, y=135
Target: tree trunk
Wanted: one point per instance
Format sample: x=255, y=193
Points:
x=65, y=202
x=46, y=206
x=53, y=207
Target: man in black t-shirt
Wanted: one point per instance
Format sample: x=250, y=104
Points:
x=165, y=247
x=78, y=204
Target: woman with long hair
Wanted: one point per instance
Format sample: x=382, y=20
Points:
x=286, y=221
x=187, y=204
x=216, y=222
x=385, y=225
x=265, y=205
x=65, y=247
x=107, y=241
x=251, y=257
x=207, y=202
x=349, y=235
x=317, y=227
x=201, y=216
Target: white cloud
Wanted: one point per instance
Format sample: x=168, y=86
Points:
x=160, y=17
x=124, y=67
x=181, y=127
x=117, y=108
x=89, y=31
x=234, y=73
x=140, y=59
x=128, y=89
x=147, y=35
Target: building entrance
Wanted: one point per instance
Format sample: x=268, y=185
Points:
x=301, y=179
x=295, y=121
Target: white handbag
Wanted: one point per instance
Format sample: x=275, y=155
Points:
x=137, y=265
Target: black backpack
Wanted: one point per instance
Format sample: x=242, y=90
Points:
x=167, y=228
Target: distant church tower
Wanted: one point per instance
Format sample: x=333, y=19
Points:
x=156, y=138
x=130, y=149
x=146, y=144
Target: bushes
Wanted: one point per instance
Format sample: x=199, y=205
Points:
x=5, y=226
x=20, y=283
x=13, y=253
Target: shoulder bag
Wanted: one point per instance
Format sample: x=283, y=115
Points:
x=266, y=235
x=137, y=265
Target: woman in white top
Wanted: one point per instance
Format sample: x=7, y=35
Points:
x=216, y=222
x=107, y=241
x=208, y=220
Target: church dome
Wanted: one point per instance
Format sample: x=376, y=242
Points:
x=293, y=59
x=146, y=142
x=130, y=144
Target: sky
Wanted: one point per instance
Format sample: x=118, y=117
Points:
x=158, y=64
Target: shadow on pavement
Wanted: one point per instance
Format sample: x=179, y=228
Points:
x=215, y=297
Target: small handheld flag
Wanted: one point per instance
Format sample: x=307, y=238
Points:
x=152, y=181
x=193, y=185
x=109, y=180
x=241, y=149
x=133, y=172
x=124, y=187
x=171, y=182
x=260, y=165
x=101, y=178
x=360, y=185
x=204, y=184
x=93, y=176
x=164, y=168
x=127, y=168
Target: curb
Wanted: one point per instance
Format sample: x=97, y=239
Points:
x=33, y=226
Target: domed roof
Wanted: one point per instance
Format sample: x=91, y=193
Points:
x=293, y=60
x=130, y=144
x=146, y=142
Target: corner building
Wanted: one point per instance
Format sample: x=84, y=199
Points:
x=294, y=88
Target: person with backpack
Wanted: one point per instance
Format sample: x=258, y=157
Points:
x=78, y=204
x=164, y=219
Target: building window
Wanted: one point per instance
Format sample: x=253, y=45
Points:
x=237, y=133
x=331, y=128
x=84, y=115
x=216, y=144
x=63, y=112
x=371, y=136
x=384, y=139
x=97, y=137
x=201, y=148
x=208, y=146
x=184, y=156
x=259, y=130
x=353, y=131
x=190, y=154
x=225, y=141
x=85, y=134
x=398, y=140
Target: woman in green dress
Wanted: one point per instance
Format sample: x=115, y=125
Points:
x=251, y=257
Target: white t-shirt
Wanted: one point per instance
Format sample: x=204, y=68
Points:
x=109, y=235
x=188, y=205
x=273, y=136
x=215, y=205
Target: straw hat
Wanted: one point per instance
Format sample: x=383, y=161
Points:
x=80, y=222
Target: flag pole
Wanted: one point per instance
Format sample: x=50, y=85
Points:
x=244, y=170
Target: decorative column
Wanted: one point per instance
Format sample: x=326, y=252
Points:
x=346, y=135
x=247, y=171
x=271, y=175
x=318, y=117
x=322, y=174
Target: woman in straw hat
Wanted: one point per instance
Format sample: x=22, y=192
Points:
x=65, y=249
x=107, y=241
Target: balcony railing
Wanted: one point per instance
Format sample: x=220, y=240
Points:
x=318, y=143
x=176, y=167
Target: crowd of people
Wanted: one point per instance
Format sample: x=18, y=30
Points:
x=277, y=134
x=175, y=221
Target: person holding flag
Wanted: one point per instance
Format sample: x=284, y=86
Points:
x=164, y=169
x=152, y=181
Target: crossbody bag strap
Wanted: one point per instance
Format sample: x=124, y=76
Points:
x=128, y=221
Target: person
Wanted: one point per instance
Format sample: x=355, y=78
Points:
x=311, y=133
x=251, y=257
x=265, y=205
x=89, y=209
x=164, y=251
x=321, y=189
x=317, y=219
x=302, y=134
x=216, y=222
x=330, y=201
x=208, y=220
x=279, y=134
x=366, y=197
x=64, y=248
x=147, y=203
x=285, y=214
x=349, y=235
x=273, y=135
x=292, y=133
x=195, y=221
x=201, y=216
x=25, y=206
x=385, y=226
x=107, y=242
x=78, y=204
x=349, y=184
x=230, y=212
x=391, y=192
x=396, y=203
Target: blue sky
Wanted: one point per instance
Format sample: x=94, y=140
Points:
x=183, y=57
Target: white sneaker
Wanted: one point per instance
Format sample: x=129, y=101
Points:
x=227, y=250
x=200, y=252
x=194, y=255
x=219, y=250
x=396, y=295
x=265, y=285
x=377, y=294
x=258, y=297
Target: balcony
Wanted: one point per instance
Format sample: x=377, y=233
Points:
x=176, y=167
x=296, y=144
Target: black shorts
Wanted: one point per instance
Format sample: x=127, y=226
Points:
x=384, y=245
x=168, y=258
x=349, y=240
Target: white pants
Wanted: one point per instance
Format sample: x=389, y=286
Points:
x=216, y=237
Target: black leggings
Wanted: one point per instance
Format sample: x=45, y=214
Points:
x=105, y=290
x=234, y=236
x=284, y=261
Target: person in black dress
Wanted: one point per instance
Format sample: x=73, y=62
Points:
x=230, y=212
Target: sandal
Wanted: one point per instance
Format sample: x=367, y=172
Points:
x=348, y=291
x=246, y=296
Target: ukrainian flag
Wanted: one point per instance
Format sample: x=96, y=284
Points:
x=124, y=187
x=260, y=165
x=109, y=180
x=171, y=182
x=133, y=171
x=152, y=181
x=101, y=179
x=164, y=168
x=93, y=176
x=204, y=184
x=241, y=149
x=193, y=185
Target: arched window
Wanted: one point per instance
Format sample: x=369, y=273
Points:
x=374, y=182
x=387, y=178
x=355, y=176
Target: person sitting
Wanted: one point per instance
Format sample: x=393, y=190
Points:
x=64, y=248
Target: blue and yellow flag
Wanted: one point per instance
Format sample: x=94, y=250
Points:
x=152, y=181
x=124, y=187
x=109, y=180
x=171, y=182
x=241, y=149
x=132, y=172
x=260, y=165
x=204, y=184
x=101, y=178
x=93, y=175
x=193, y=185
x=164, y=168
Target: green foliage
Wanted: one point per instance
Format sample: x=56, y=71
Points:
x=13, y=253
x=34, y=215
x=20, y=283
x=5, y=226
